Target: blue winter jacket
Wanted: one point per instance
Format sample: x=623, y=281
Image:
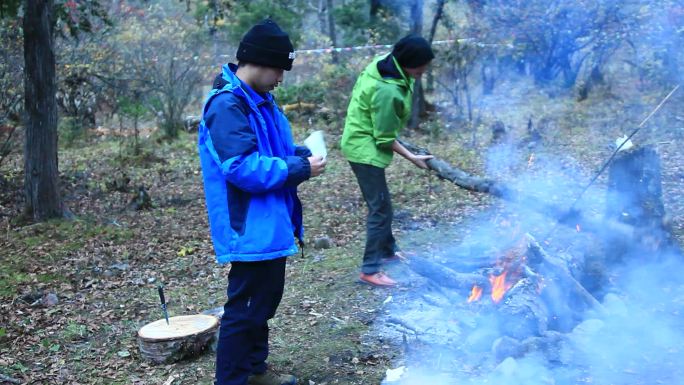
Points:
x=250, y=168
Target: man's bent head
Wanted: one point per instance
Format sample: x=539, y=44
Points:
x=414, y=54
x=267, y=45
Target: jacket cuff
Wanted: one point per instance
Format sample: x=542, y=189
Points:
x=385, y=144
x=298, y=170
x=302, y=151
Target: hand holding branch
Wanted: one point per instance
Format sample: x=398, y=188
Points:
x=418, y=160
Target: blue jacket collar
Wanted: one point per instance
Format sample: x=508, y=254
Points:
x=229, y=71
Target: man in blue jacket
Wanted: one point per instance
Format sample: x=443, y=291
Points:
x=251, y=169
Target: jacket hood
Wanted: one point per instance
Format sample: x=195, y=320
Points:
x=232, y=82
x=228, y=74
x=372, y=71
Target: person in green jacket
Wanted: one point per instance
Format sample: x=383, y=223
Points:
x=379, y=107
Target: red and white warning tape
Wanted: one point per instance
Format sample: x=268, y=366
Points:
x=389, y=46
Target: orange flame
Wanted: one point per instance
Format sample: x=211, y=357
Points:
x=499, y=286
x=475, y=294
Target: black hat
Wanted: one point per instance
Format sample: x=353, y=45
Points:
x=268, y=45
x=412, y=51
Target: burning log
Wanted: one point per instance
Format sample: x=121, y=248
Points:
x=554, y=268
x=524, y=312
x=527, y=301
x=534, y=292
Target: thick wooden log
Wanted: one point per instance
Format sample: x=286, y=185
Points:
x=457, y=176
x=524, y=313
x=299, y=106
x=547, y=297
x=184, y=336
x=444, y=276
x=554, y=268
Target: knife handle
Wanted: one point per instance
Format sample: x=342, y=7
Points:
x=160, y=288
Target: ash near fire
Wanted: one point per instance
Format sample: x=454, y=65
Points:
x=526, y=298
x=559, y=282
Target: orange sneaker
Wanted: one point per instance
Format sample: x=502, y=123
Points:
x=378, y=279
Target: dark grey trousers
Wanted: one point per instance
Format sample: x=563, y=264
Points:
x=379, y=239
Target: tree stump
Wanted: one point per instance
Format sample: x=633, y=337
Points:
x=635, y=198
x=191, y=123
x=184, y=336
x=634, y=188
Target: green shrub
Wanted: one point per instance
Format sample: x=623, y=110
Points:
x=70, y=130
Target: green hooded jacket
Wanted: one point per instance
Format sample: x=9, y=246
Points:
x=378, y=108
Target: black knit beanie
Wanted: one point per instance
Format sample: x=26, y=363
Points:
x=412, y=51
x=268, y=45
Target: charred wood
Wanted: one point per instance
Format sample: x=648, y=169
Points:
x=445, y=276
x=554, y=268
x=524, y=312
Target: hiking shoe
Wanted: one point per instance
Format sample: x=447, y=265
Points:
x=378, y=279
x=270, y=378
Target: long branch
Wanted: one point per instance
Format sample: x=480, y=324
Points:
x=568, y=217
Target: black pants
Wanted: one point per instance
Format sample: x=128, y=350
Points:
x=254, y=293
x=379, y=239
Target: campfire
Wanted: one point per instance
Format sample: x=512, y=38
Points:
x=511, y=267
x=506, y=306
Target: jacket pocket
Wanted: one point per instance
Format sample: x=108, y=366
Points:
x=238, y=205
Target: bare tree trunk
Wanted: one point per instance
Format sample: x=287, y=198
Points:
x=439, y=11
x=375, y=6
x=417, y=17
x=136, y=148
x=331, y=30
x=121, y=138
x=41, y=179
x=418, y=107
x=321, y=16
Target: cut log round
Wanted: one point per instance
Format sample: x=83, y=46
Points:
x=184, y=336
